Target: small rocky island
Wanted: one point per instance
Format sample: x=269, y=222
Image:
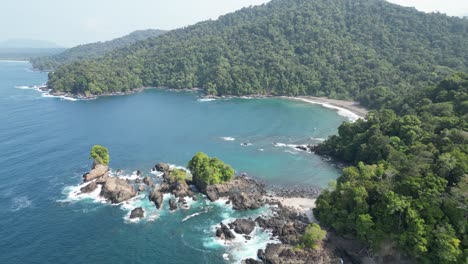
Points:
x=301, y=240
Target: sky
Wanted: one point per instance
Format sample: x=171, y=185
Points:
x=72, y=22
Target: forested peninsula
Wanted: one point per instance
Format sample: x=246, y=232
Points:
x=368, y=50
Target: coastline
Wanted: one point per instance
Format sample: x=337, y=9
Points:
x=351, y=109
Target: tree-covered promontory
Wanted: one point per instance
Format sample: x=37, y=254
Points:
x=369, y=50
x=91, y=50
x=409, y=181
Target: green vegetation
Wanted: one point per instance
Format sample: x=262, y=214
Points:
x=206, y=170
x=177, y=175
x=369, y=50
x=409, y=182
x=92, y=50
x=100, y=155
x=312, y=237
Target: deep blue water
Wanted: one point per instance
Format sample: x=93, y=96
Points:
x=44, y=149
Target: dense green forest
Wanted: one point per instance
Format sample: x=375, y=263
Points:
x=409, y=182
x=339, y=48
x=92, y=50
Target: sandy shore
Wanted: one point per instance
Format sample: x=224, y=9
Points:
x=304, y=205
x=350, y=109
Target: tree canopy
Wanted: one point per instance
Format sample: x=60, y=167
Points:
x=91, y=50
x=408, y=182
x=100, y=155
x=206, y=170
x=369, y=50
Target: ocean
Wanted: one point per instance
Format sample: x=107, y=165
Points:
x=45, y=143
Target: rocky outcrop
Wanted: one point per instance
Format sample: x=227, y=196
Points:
x=287, y=224
x=287, y=254
x=244, y=201
x=243, y=226
x=89, y=188
x=141, y=187
x=162, y=167
x=137, y=213
x=156, y=197
x=172, y=204
x=148, y=181
x=117, y=190
x=240, y=184
x=251, y=261
x=98, y=170
x=224, y=232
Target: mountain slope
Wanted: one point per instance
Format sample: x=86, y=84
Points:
x=28, y=44
x=341, y=48
x=93, y=50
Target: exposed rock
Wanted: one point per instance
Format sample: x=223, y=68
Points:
x=251, y=261
x=243, y=226
x=141, y=187
x=119, y=171
x=223, y=232
x=117, y=190
x=156, y=197
x=162, y=167
x=301, y=147
x=286, y=254
x=138, y=173
x=89, y=188
x=98, y=170
x=137, y=180
x=238, y=185
x=287, y=225
x=137, y=213
x=148, y=181
x=243, y=201
x=172, y=204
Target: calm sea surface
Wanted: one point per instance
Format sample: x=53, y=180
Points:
x=44, y=149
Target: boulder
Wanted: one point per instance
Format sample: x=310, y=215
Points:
x=117, y=190
x=138, y=173
x=251, y=261
x=98, y=170
x=137, y=213
x=89, y=188
x=243, y=226
x=287, y=254
x=244, y=201
x=172, y=204
x=223, y=232
x=137, y=180
x=141, y=187
x=301, y=147
x=156, y=197
x=148, y=181
x=240, y=184
x=162, y=167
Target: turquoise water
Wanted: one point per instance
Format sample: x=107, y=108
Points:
x=44, y=144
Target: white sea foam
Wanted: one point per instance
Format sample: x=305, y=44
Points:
x=74, y=194
x=150, y=211
x=20, y=202
x=317, y=139
x=261, y=149
x=283, y=145
x=206, y=99
x=228, y=138
x=15, y=61
x=63, y=97
x=291, y=152
x=191, y=216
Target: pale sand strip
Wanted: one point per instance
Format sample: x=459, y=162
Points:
x=304, y=205
x=349, y=109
